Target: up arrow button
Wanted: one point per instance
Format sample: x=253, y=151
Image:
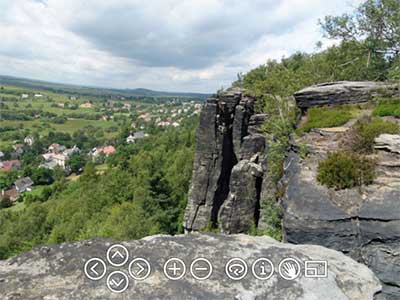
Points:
x=117, y=255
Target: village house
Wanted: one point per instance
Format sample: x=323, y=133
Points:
x=20, y=186
x=29, y=140
x=24, y=96
x=53, y=160
x=19, y=148
x=24, y=184
x=145, y=117
x=130, y=139
x=16, y=154
x=71, y=151
x=136, y=136
x=9, y=165
x=86, y=105
x=56, y=148
x=163, y=124
x=10, y=194
x=106, y=150
x=58, y=155
x=1, y=154
x=38, y=96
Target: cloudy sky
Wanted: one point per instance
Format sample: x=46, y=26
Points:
x=171, y=45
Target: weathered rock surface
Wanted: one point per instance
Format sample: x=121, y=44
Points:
x=239, y=209
x=343, y=92
x=227, y=134
x=363, y=223
x=56, y=272
x=389, y=142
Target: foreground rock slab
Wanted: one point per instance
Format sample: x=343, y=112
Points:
x=343, y=92
x=56, y=272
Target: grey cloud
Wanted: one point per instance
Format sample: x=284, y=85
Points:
x=161, y=40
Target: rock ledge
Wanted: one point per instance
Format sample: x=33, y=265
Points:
x=56, y=272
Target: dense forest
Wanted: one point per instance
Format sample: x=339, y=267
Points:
x=144, y=190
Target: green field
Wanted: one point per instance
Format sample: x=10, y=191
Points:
x=47, y=104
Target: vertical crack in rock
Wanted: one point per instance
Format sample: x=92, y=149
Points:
x=226, y=180
x=228, y=161
x=259, y=181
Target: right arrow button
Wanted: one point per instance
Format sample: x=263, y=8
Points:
x=139, y=269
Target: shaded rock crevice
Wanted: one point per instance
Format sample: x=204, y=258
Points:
x=234, y=178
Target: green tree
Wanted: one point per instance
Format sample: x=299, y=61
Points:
x=42, y=176
x=375, y=24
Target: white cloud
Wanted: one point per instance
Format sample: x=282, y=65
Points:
x=196, y=45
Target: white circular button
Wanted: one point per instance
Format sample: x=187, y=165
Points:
x=117, y=255
x=236, y=269
x=262, y=269
x=117, y=282
x=201, y=269
x=139, y=269
x=289, y=269
x=174, y=268
x=95, y=269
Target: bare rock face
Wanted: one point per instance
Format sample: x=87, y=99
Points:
x=389, y=142
x=239, y=209
x=342, y=92
x=57, y=272
x=363, y=223
x=220, y=193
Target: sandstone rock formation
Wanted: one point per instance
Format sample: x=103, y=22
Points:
x=363, y=223
x=230, y=181
x=389, y=142
x=227, y=171
x=343, y=92
x=56, y=272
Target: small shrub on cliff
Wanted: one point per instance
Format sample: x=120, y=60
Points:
x=363, y=133
x=345, y=170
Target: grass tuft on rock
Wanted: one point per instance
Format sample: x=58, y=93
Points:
x=324, y=117
x=388, y=107
x=363, y=133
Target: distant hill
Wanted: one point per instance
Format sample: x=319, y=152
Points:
x=93, y=91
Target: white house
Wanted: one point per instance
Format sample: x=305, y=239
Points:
x=53, y=160
x=29, y=140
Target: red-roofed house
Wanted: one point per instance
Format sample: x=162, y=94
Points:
x=106, y=150
x=8, y=165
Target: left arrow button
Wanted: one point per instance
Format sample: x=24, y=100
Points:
x=95, y=268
